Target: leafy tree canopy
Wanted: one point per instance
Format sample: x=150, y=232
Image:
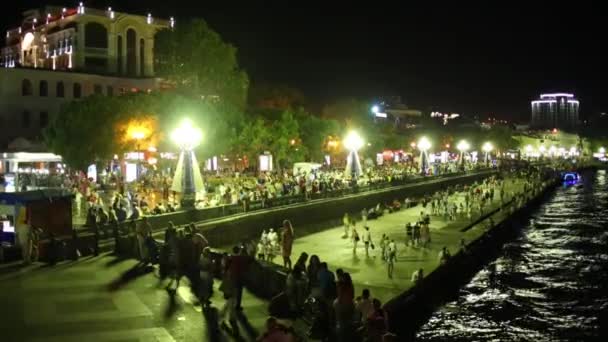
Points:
x=199, y=62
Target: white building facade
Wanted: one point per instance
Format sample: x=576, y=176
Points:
x=59, y=55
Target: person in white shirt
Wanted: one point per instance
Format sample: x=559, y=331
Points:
x=364, y=305
x=417, y=276
x=391, y=257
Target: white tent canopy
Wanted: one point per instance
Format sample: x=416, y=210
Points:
x=299, y=168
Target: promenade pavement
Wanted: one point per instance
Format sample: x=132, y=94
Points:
x=371, y=272
x=71, y=303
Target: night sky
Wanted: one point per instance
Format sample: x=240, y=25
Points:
x=466, y=59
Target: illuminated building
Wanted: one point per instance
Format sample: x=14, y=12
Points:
x=557, y=110
x=392, y=108
x=58, y=55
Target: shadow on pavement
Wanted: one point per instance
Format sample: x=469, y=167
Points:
x=211, y=316
x=249, y=329
x=172, y=305
x=128, y=276
x=117, y=260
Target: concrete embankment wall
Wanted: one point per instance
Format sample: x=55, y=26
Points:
x=410, y=310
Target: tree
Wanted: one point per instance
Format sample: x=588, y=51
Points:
x=277, y=97
x=104, y=126
x=199, y=62
x=314, y=133
x=253, y=140
x=285, y=143
x=96, y=128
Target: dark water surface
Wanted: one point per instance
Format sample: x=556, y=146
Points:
x=550, y=284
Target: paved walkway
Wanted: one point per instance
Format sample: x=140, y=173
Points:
x=371, y=272
x=71, y=302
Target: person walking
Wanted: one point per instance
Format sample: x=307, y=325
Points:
x=228, y=311
x=383, y=245
x=367, y=240
x=391, y=257
x=356, y=238
x=287, y=243
x=144, y=229
x=346, y=223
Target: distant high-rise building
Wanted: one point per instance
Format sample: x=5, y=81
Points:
x=557, y=110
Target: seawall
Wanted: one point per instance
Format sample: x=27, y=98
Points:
x=410, y=310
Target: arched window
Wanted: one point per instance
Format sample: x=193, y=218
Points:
x=119, y=55
x=26, y=87
x=60, y=89
x=98, y=89
x=142, y=60
x=77, y=90
x=131, y=52
x=44, y=88
x=95, y=36
x=109, y=91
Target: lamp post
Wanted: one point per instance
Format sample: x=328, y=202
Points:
x=542, y=149
x=138, y=136
x=552, y=151
x=463, y=146
x=187, y=137
x=487, y=148
x=353, y=142
x=528, y=151
x=423, y=145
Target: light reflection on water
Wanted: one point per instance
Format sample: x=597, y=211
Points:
x=551, y=283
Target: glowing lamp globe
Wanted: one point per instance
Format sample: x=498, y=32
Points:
x=463, y=146
x=353, y=142
x=542, y=149
x=487, y=147
x=375, y=109
x=602, y=150
x=424, y=144
x=186, y=135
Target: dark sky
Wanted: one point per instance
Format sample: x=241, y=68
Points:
x=464, y=59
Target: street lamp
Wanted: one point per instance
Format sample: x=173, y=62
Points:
x=487, y=148
x=552, y=151
x=187, y=137
x=542, y=150
x=463, y=146
x=602, y=150
x=138, y=135
x=423, y=145
x=528, y=151
x=353, y=142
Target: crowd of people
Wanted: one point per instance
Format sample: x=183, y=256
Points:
x=327, y=301
x=151, y=194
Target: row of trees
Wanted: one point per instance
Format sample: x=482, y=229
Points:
x=209, y=87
